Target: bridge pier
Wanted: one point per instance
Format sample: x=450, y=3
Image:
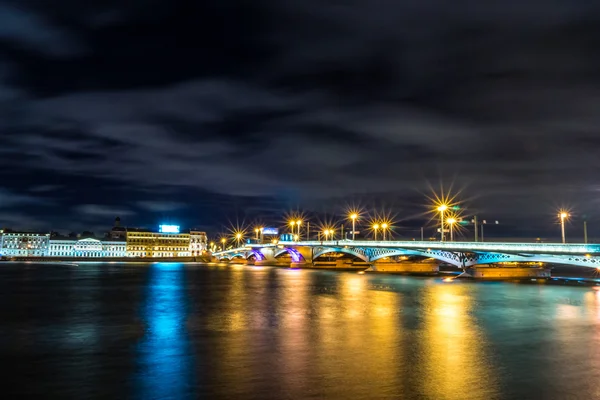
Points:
x=507, y=272
x=405, y=267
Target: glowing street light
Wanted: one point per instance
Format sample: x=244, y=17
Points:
x=442, y=208
x=257, y=231
x=328, y=232
x=384, y=228
x=375, y=229
x=451, y=221
x=353, y=217
x=238, y=238
x=292, y=224
x=298, y=223
x=223, y=241
x=563, y=215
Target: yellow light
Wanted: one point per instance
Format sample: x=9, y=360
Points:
x=376, y=226
x=298, y=222
x=223, y=240
x=257, y=230
x=451, y=221
x=564, y=215
x=238, y=235
x=443, y=207
x=292, y=223
x=353, y=216
x=384, y=225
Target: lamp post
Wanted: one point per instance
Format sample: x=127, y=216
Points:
x=298, y=223
x=223, y=241
x=451, y=221
x=563, y=215
x=442, y=209
x=353, y=217
x=256, y=231
x=238, y=238
x=384, y=228
x=292, y=223
x=375, y=228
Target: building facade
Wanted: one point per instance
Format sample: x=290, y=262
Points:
x=198, y=243
x=25, y=244
x=87, y=248
x=157, y=244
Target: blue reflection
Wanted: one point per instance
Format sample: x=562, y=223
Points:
x=165, y=356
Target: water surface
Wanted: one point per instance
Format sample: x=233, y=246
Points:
x=174, y=331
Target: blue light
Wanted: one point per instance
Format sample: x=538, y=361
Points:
x=168, y=228
x=258, y=255
x=270, y=231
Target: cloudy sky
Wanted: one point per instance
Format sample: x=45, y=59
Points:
x=204, y=112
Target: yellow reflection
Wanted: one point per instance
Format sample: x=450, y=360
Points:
x=356, y=322
x=454, y=348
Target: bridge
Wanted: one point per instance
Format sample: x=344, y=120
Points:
x=460, y=254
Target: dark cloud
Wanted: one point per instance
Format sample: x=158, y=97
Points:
x=298, y=103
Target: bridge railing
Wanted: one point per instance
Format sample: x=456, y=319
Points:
x=559, y=248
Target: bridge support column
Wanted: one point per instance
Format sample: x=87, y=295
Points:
x=268, y=257
x=302, y=257
x=506, y=272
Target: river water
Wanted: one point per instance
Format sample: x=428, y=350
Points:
x=174, y=331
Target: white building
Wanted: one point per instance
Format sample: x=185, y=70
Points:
x=88, y=248
x=198, y=243
x=25, y=244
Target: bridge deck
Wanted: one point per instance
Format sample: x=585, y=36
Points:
x=516, y=248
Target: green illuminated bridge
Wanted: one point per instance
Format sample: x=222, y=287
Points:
x=460, y=254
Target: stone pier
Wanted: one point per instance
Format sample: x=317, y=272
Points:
x=508, y=272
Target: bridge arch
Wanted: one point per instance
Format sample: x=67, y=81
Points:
x=294, y=254
x=440, y=255
x=327, y=250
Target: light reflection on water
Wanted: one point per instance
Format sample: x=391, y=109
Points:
x=166, y=368
x=173, y=331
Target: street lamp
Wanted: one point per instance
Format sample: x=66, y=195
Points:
x=451, y=222
x=353, y=217
x=442, y=208
x=384, y=227
x=223, y=241
x=375, y=228
x=256, y=231
x=298, y=223
x=563, y=215
x=292, y=223
x=238, y=238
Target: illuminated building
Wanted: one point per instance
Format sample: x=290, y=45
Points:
x=169, y=242
x=88, y=248
x=25, y=244
x=198, y=243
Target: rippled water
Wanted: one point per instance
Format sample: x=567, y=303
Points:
x=177, y=331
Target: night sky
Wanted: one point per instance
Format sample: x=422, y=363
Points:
x=209, y=112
